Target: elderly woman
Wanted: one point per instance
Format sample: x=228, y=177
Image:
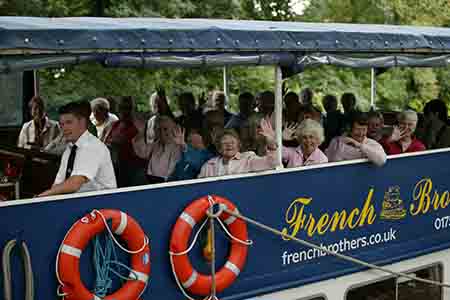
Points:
x=375, y=125
x=163, y=153
x=101, y=117
x=402, y=138
x=159, y=104
x=231, y=161
x=356, y=144
x=309, y=134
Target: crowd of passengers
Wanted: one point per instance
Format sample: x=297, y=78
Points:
x=207, y=140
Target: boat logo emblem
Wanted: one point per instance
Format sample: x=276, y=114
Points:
x=393, y=207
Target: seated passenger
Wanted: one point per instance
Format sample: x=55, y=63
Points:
x=212, y=128
x=40, y=131
x=231, y=161
x=356, y=145
x=217, y=102
x=292, y=108
x=119, y=140
x=101, y=117
x=375, y=125
x=86, y=163
x=194, y=155
x=310, y=112
x=306, y=97
x=402, y=138
x=348, y=101
x=246, y=106
x=191, y=117
x=162, y=154
x=160, y=107
x=309, y=134
x=266, y=103
x=435, y=132
x=251, y=138
x=334, y=120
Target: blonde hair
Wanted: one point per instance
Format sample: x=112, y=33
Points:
x=310, y=126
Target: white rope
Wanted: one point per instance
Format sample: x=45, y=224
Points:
x=180, y=286
x=246, y=242
x=339, y=255
x=192, y=243
x=146, y=239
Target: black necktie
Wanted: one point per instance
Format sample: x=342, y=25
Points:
x=73, y=152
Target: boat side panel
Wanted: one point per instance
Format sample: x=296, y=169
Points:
x=276, y=200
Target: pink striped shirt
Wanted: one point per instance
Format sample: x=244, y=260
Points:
x=244, y=162
x=294, y=157
x=338, y=150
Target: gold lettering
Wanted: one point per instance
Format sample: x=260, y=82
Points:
x=421, y=194
x=295, y=217
x=349, y=222
x=436, y=200
x=368, y=211
x=323, y=224
x=338, y=218
x=445, y=200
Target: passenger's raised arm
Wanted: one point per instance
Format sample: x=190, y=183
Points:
x=309, y=135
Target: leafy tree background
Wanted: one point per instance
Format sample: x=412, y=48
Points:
x=396, y=88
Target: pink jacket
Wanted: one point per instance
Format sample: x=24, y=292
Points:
x=294, y=157
x=161, y=158
x=242, y=163
x=370, y=149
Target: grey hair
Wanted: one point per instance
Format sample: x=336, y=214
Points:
x=310, y=126
x=408, y=115
x=100, y=102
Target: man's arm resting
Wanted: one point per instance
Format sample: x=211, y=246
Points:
x=70, y=185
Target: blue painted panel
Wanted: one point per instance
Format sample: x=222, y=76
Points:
x=272, y=262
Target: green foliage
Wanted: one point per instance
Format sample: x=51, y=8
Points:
x=396, y=88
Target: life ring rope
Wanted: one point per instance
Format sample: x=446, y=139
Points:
x=119, y=231
x=75, y=252
x=229, y=265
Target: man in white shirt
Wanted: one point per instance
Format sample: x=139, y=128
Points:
x=86, y=163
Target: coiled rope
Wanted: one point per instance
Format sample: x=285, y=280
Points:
x=104, y=259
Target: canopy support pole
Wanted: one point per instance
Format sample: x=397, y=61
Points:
x=226, y=89
x=278, y=114
x=373, y=88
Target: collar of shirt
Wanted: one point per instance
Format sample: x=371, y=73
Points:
x=82, y=140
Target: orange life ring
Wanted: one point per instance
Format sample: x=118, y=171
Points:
x=189, y=278
x=77, y=239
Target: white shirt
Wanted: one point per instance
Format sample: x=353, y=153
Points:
x=105, y=126
x=93, y=161
x=28, y=133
